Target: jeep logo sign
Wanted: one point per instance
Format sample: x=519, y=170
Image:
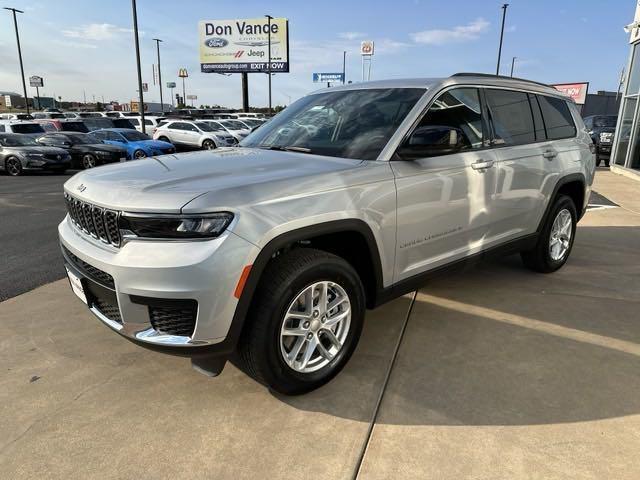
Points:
x=216, y=42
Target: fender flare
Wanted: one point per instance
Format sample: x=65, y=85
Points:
x=572, y=177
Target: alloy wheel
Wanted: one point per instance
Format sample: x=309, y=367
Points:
x=13, y=167
x=88, y=161
x=315, y=326
x=139, y=154
x=560, y=238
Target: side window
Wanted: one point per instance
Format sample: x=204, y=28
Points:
x=177, y=126
x=135, y=121
x=2, y=128
x=452, y=124
x=148, y=122
x=114, y=137
x=557, y=118
x=511, y=117
x=190, y=127
x=49, y=127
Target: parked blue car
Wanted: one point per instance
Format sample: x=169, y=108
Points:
x=138, y=144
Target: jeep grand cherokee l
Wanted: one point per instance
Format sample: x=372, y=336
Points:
x=268, y=254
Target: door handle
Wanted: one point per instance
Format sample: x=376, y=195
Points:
x=549, y=154
x=482, y=164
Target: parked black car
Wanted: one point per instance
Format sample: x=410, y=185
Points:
x=99, y=123
x=86, y=150
x=21, y=152
x=602, y=129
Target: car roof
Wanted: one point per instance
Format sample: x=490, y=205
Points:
x=464, y=78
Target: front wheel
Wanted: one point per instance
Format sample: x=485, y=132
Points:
x=208, y=145
x=138, y=154
x=88, y=161
x=556, y=238
x=13, y=166
x=304, y=322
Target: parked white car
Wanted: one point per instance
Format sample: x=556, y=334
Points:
x=199, y=134
x=236, y=128
x=150, y=122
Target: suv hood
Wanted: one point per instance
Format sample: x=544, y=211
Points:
x=165, y=184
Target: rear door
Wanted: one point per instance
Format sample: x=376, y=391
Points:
x=525, y=166
x=444, y=200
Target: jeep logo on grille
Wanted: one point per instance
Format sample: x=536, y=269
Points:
x=81, y=188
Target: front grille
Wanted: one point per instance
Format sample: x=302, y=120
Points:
x=89, y=270
x=176, y=319
x=108, y=309
x=96, y=221
x=54, y=156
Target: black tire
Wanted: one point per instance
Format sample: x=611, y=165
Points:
x=539, y=259
x=164, y=139
x=259, y=354
x=139, y=154
x=13, y=166
x=598, y=160
x=208, y=145
x=89, y=161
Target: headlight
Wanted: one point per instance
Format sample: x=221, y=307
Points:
x=209, y=225
x=102, y=153
x=35, y=155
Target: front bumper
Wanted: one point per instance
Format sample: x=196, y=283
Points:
x=124, y=285
x=604, y=149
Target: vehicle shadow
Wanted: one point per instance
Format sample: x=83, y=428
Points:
x=499, y=345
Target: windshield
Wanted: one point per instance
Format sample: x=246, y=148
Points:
x=56, y=115
x=27, y=128
x=17, y=141
x=84, y=139
x=233, y=125
x=605, y=121
x=349, y=124
x=135, y=136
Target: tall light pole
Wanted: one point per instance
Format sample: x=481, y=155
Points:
x=15, y=24
x=269, y=18
x=504, y=15
x=137, y=42
x=513, y=62
x=344, y=65
x=157, y=40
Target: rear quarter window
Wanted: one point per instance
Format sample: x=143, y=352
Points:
x=558, y=121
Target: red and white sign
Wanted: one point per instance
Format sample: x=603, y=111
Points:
x=577, y=91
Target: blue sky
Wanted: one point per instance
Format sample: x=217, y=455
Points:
x=87, y=45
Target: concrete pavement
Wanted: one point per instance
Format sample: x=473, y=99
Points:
x=502, y=373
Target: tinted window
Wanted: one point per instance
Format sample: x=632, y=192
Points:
x=27, y=128
x=147, y=122
x=1, y=128
x=557, y=117
x=122, y=123
x=452, y=124
x=135, y=136
x=73, y=127
x=605, y=121
x=350, y=123
x=134, y=121
x=49, y=127
x=178, y=126
x=511, y=117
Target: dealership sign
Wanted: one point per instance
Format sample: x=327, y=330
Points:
x=243, y=45
x=328, y=77
x=577, y=91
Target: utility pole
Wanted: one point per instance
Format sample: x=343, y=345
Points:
x=269, y=18
x=15, y=24
x=344, y=64
x=157, y=40
x=504, y=15
x=513, y=62
x=137, y=42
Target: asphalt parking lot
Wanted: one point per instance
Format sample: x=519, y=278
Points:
x=501, y=373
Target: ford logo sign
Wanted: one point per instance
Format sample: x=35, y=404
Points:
x=216, y=42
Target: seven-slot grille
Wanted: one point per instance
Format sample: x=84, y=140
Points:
x=98, y=222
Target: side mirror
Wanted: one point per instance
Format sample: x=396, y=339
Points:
x=432, y=141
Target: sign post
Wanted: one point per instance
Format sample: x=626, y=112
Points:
x=182, y=73
x=171, y=86
x=366, y=51
x=37, y=82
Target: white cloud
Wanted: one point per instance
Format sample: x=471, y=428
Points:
x=352, y=35
x=95, y=31
x=461, y=33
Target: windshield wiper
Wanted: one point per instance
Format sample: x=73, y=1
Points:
x=282, y=148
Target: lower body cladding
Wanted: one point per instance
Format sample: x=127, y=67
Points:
x=169, y=296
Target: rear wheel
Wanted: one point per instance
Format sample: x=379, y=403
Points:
x=304, y=322
x=164, y=139
x=88, y=160
x=556, y=238
x=208, y=145
x=13, y=166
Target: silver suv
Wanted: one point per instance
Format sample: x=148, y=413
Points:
x=198, y=134
x=269, y=254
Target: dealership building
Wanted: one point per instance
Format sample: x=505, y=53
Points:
x=626, y=146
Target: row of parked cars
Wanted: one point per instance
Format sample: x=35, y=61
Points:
x=55, y=141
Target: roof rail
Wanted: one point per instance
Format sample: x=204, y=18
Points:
x=502, y=77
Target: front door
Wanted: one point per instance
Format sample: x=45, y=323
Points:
x=445, y=180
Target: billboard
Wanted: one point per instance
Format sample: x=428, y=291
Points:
x=235, y=46
x=328, y=77
x=36, y=81
x=577, y=91
x=171, y=84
